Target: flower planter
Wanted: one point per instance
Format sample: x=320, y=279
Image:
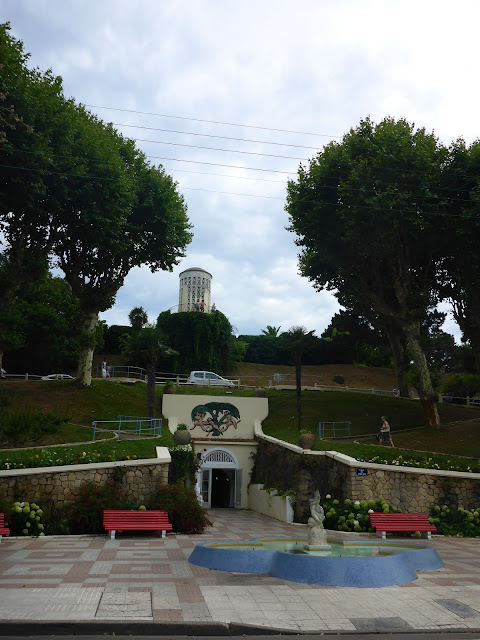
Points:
x=260, y=393
x=181, y=437
x=306, y=440
x=168, y=389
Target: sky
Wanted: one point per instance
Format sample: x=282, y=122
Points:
x=230, y=97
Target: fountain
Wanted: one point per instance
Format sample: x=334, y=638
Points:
x=322, y=560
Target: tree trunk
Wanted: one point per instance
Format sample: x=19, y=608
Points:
x=401, y=363
x=87, y=344
x=298, y=383
x=151, y=390
x=425, y=389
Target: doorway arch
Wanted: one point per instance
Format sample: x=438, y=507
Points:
x=220, y=479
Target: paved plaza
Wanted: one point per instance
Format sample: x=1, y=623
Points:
x=140, y=577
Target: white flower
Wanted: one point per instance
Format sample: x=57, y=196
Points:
x=357, y=503
x=355, y=522
x=328, y=496
x=371, y=511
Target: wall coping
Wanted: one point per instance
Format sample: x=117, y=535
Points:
x=162, y=453
x=352, y=462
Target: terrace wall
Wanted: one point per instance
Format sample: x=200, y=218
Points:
x=141, y=479
x=286, y=466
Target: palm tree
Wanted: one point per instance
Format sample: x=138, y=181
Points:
x=271, y=331
x=138, y=318
x=297, y=340
x=146, y=347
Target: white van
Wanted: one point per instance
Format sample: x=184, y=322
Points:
x=208, y=378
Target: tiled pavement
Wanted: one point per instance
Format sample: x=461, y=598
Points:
x=146, y=578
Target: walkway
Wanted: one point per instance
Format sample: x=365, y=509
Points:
x=148, y=579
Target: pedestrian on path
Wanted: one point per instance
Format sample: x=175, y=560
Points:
x=385, y=434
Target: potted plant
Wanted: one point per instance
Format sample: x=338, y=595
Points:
x=306, y=439
x=169, y=387
x=260, y=392
x=182, y=435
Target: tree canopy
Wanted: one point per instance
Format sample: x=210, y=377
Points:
x=364, y=212
x=75, y=191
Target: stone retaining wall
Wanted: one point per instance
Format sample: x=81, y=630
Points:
x=141, y=478
x=287, y=466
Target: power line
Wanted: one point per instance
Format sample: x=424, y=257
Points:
x=196, y=146
x=229, y=124
x=208, y=135
x=250, y=195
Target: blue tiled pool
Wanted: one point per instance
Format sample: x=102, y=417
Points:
x=348, y=563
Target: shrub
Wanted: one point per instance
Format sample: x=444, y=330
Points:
x=25, y=519
x=183, y=465
x=463, y=385
x=25, y=425
x=86, y=511
x=338, y=379
x=456, y=522
x=184, y=512
x=352, y=515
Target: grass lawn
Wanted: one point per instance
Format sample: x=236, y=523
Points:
x=105, y=399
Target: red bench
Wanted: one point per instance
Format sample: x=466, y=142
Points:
x=121, y=520
x=3, y=529
x=391, y=522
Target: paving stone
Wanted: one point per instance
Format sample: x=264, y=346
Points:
x=459, y=608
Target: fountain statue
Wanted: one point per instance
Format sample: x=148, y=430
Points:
x=317, y=536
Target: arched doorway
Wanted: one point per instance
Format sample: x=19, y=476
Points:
x=220, y=480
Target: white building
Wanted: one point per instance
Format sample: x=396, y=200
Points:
x=195, y=288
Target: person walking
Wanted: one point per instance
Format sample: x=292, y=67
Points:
x=385, y=433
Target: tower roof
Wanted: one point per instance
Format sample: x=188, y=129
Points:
x=195, y=269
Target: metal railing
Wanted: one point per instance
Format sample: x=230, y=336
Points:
x=129, y=426
x=336, y=430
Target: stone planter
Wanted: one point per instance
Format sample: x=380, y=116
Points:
x=181, y=436
x=168, y=389
x=306, y=440
x=260, y=393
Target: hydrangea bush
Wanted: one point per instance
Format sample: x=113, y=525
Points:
x=25, y=519
x=352, y=515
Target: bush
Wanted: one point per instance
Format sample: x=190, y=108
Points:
x=25, y=519
x=456, y=522
x=85, y=513
x=184, y=512
x=462, y=385
x=183, y=465
x=353, y=515
x=28, y=425
x=338, y=379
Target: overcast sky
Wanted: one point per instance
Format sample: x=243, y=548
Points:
x=266, y=74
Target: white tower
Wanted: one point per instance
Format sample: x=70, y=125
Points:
x=195, y=288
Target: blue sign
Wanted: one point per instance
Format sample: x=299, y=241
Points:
x=362, y=472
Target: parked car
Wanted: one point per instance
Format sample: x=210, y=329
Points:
x=57, y=376
x=208, y=378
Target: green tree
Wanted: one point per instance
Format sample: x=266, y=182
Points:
x=138, y=318
x=297, y=340
x=146, y=348
x=271, y=331
x=362, y=213
x=74, y=189
x=47, y=315
x=205, y=341
x=461, y=273
x=34, y=130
